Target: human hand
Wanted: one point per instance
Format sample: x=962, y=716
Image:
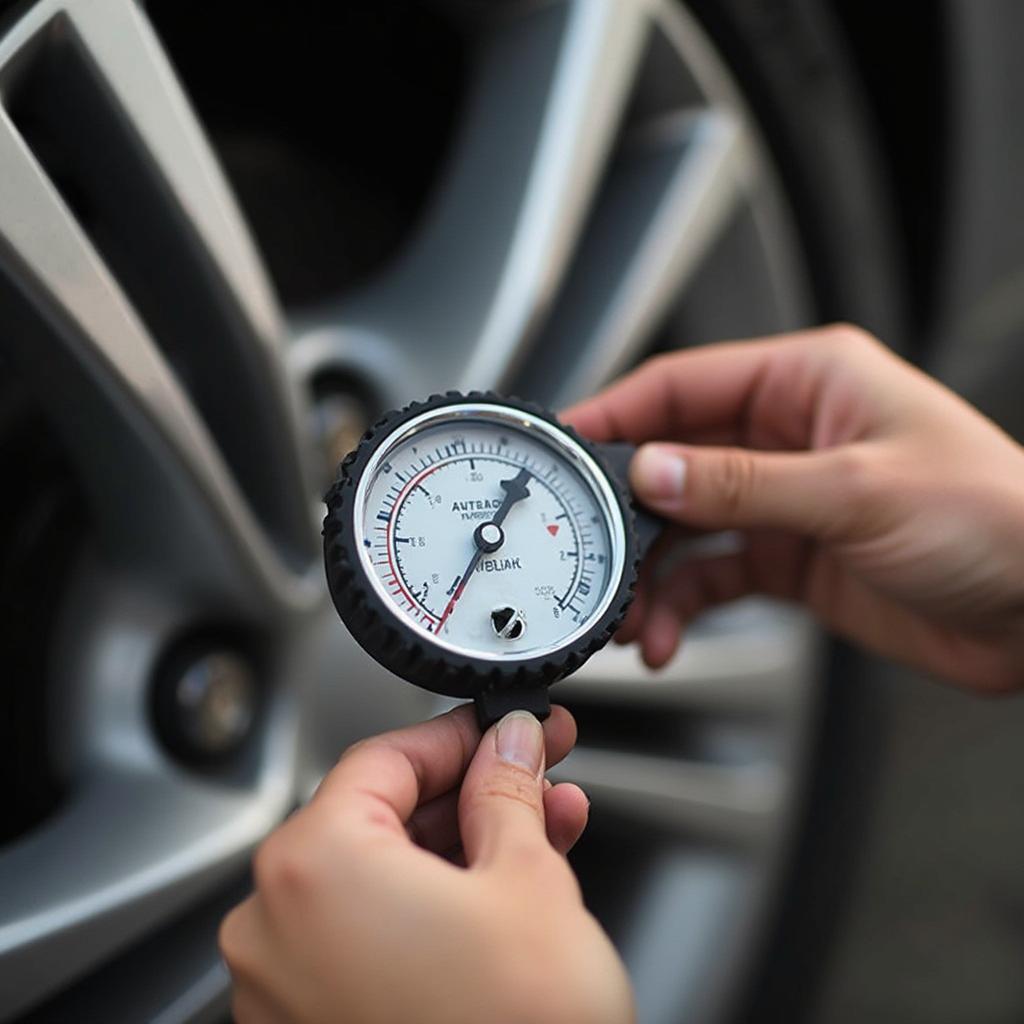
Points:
x=861, y=487
x=358, y=917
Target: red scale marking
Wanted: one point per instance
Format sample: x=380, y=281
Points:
x=387, y=538
x=553, y=528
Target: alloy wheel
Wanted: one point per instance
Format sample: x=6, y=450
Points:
x=606, y=194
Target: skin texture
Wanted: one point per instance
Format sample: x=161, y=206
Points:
x=859, y=487
x=366, y=909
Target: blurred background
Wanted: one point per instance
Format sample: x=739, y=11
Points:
x=230, y=237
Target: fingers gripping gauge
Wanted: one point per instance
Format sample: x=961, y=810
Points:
x=476, y=547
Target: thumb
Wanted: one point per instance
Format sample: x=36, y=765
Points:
x=501, y=805
x=735, y=488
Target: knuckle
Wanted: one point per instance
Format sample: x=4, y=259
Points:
x=872, y=487
x=514, y=784
x=862, y=473
x=358, y=746
x=653, y=370
x=855, y=472
x=851, y=336
x=734, y=481
x=234, y=940
x=281, y=866
x=857, y=479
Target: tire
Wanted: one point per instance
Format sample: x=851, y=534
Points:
x=800, y=79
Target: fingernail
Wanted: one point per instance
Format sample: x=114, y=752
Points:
x=520, y=740
x=658, y=473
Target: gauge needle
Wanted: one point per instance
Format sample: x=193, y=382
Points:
x=515, y=490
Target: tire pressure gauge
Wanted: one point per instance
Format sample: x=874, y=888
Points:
x=478, y=548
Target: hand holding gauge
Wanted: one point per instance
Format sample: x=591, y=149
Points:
x=478, y=548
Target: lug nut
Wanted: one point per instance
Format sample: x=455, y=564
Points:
x=205, y=702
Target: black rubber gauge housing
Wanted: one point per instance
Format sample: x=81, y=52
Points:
x=389, y=635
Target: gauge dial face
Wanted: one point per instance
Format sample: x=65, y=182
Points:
x=490, y=531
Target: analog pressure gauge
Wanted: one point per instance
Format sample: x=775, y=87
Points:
x=478, y=548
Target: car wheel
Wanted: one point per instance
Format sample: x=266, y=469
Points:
x=527, y=197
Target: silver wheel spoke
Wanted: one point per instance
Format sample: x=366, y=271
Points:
x=681, y=974
x=209, y=246
x=139, y=405
x=122, y=408
x=668, y=196
x=551, y=88
x=750, y=659
x=75, y=891
x=132, y=64
x=699, y=800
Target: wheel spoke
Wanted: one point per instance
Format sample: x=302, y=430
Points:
x=680, y=974
x=708, y=802
x=121, y=408
x=544, y=111
x=62, y=915
x=127, y=55
x=746, y=664
x=671, y=191
x=750, y=660
x=142, y=312
x=239, y=380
